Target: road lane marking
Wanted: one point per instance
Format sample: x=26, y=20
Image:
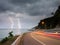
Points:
x=38, y=40
x=16, y=41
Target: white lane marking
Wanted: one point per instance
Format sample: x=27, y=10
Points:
x=15, y=42
x=38, y=40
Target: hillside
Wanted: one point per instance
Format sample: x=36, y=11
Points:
x=10, y=41
x=51, y=22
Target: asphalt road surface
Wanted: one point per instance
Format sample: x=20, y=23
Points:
x=35, y=38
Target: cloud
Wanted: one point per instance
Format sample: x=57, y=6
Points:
x=43, y=7
x=24, y=1
x=31, y=7
x=28, y=11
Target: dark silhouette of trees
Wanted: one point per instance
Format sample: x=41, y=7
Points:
x=7, y=38
x=10, y=34
x=51, y=22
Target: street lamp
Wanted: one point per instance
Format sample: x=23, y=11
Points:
x=43, y=22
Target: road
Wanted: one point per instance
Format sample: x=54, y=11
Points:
x=37, y=38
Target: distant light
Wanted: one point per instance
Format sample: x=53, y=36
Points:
x=43, y=22
x=56, y=32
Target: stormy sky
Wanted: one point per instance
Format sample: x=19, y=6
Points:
x=27, y=12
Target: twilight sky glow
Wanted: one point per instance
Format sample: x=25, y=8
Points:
x=28, y=12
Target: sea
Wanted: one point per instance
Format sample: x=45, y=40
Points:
x=5, y=32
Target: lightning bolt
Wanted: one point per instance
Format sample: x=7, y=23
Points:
x=16, y=20
x=12, y=23
x=19, y=24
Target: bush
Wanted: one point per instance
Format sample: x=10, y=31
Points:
x=7, y=38
x=4, y=40
x=10, y=34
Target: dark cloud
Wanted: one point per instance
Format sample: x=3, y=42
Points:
x=44, y=7
x=57, y=2
x=31, y=7
x=5, y=5
x=3, y=8
x=28, y=8
x=23, y=1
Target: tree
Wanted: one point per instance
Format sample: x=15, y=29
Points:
x=51, y=22
x=10, y=34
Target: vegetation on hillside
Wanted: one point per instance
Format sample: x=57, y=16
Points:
x=51, y=22
x=7, y=38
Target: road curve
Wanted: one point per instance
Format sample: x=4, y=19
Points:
x=38, y=39
x=28, y=40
